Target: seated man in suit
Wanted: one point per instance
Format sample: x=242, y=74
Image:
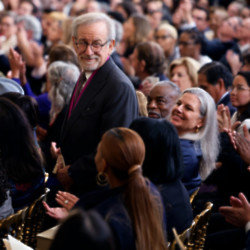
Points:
x=161, y=99
x=102, y=99
x=216, y=79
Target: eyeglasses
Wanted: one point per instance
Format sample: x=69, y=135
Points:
x=185, y=43
x=151, y=12
x=95, y=46
x=162, y=37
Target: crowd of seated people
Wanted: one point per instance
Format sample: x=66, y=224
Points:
x=186, y=68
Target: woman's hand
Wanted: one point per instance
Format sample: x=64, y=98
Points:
x=66, y=200
x=224, y=120
x=242, y=144
x=15, y=60
x=56, y=212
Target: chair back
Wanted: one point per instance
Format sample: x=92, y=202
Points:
x=199, y=231
x=193, y=195
x=194, y=236
x=34, y=220
x=13, y=225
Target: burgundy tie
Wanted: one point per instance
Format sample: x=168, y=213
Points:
x=81, y=81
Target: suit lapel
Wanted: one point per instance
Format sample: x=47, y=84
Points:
x=94, y=87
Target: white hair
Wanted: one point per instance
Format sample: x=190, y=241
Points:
x=31, y=23
x=208, y=135
x=94, y=17
x=63, y=77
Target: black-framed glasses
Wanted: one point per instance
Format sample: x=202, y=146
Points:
x=185, y=43
x=164, y=37
x=95, y=46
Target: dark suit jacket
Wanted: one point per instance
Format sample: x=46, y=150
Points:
x=108, y=101
x=226, y=101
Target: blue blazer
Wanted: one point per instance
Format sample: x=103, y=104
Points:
x=191, y=158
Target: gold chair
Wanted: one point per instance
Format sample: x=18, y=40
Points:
x=13, y=225
x=194, y=236
x=193, y=195
x=34, y=219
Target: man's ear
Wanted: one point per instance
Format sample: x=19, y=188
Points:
x=142, y=65
x=221, y=85
x=111, y=45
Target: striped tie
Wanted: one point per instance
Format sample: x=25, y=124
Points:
x=81, y=81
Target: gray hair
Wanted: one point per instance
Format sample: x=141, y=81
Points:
x=208, y=135
x=94, y=17
x=63, y=77
x=176, y=90
x=118, y=31
x=31, y=23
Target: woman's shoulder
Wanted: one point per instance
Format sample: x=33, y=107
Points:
x=92, y=199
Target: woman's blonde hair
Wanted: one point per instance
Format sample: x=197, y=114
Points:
x=192, y=66
x=142, y=101
x=124, y=152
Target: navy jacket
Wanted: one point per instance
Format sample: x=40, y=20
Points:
x=111, y=205
x=191, y=158
x=226, y=101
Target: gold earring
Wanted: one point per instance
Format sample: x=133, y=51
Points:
x=102, y=179
x=197, y=129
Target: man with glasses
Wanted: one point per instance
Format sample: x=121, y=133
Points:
x=190, y=42
x=102, y=99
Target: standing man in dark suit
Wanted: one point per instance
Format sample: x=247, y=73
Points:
x=102, y=99
x=216, y=79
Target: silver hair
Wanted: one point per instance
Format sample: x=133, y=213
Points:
x=170, y=84
x=208, y=135
x=118, y=31
x=63, y=77
x=94, y=17
x=31, y=23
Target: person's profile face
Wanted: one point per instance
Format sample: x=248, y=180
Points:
x=213, y=90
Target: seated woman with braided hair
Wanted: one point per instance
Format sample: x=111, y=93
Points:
x=132, y=206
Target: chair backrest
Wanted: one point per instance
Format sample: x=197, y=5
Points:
x=194, y=236
x=13, y=225
x=199, y=231
x=34, y=219
x=193, y=195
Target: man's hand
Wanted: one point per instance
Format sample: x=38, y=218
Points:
x=54, y=150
